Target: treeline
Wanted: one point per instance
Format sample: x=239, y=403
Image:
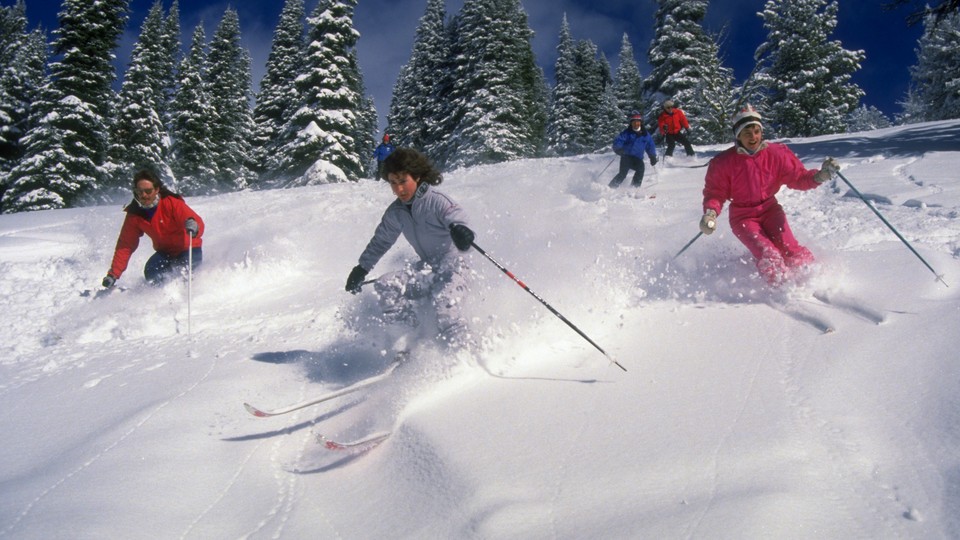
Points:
x=471, y=93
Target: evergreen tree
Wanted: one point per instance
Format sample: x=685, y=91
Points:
x=325, y=127
x=168, y=60
x=23, y=57
x=610, y=118
x=192, y=121
x=279, y=97
x=499, y=94
x=628, y=84
x=806, y=76
x=685, y=67
x=67, y=150
x=365, y=136
x=565, y=130
x=591, y=78
x=138, y=136
x=416, y=116
x=935, y=79
x=714, y=99
x=228, y=84
x=866, y=119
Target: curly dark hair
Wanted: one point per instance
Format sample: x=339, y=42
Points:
x=408, y=160
x=147, y=174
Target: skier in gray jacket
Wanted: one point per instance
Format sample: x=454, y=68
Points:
x=436, y=228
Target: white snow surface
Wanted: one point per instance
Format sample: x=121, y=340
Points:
x=737, y=417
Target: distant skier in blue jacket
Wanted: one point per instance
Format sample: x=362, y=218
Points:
x=630, y=145
x=383, y=150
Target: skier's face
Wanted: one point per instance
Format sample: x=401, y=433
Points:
x=403, y=185
x=146, y=192
x=750, y=137
x=636, y=125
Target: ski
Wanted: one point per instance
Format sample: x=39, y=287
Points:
x=851, y=305
x=360, y=445
x=359, y=385
x=799, y=313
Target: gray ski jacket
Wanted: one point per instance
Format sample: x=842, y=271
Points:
x=425, y=224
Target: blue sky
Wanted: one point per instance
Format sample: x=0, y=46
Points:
x=387, y=30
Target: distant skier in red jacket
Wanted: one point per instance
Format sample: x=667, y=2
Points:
x=167, y=220
x=675, y=127
x=749, y=175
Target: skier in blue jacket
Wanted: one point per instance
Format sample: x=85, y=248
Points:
x=630, y=145
x=383, y=150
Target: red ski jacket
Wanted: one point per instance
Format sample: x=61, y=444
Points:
x=672, y=123
x=165, y=228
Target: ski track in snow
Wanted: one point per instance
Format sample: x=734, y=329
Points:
x=694, y=527
x=106, y=450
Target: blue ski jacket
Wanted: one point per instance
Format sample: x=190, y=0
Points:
x=634, y=143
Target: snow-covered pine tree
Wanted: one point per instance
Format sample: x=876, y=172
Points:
x=935, y=78
x=278, y=97
x=610, y=119
x=168, y=61
x=192, y=119
x=806, y=76
x=715, y=99
x=628, y=83
x=228, y=84
x=565, y=129
x=65, y=152
x=365, y=136
x=415, y=114
x=23, y=57
x=685, y=67
x=584, y=115
x=138, y=136
x=499, y=94
x=865, y=118
x=326, y=124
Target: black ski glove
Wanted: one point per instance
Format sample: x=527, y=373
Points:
x=355, y=280
x=462, y=236
x=108, y=281
x=653, y=161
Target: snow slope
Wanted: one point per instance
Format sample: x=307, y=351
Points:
x=737, y=418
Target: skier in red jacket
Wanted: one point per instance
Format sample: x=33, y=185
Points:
x=172, y=226
x=749, y=175
x=675, y=127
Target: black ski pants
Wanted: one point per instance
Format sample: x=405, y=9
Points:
x=628, y=162
x=673, y=139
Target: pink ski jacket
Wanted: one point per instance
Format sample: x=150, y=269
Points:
x=750, y=182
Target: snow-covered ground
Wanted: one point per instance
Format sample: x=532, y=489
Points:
x=737, y=418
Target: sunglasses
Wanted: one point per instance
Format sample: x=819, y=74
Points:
x=149, y=191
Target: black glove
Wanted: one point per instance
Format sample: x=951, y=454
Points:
x=191, y=226
x=653, y=160
x=618, y=151
x=355, y=279
x=108, y=281
x=462, y=236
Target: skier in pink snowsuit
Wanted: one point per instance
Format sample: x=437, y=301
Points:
x=749, y=175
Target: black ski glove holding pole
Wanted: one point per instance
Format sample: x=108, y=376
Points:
x=355, y=279
x=462, y=236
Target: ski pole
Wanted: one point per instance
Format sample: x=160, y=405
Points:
x=604, y=169
x=544, y=302
x=895, y=231
x=690, y=243
x=189, y=278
